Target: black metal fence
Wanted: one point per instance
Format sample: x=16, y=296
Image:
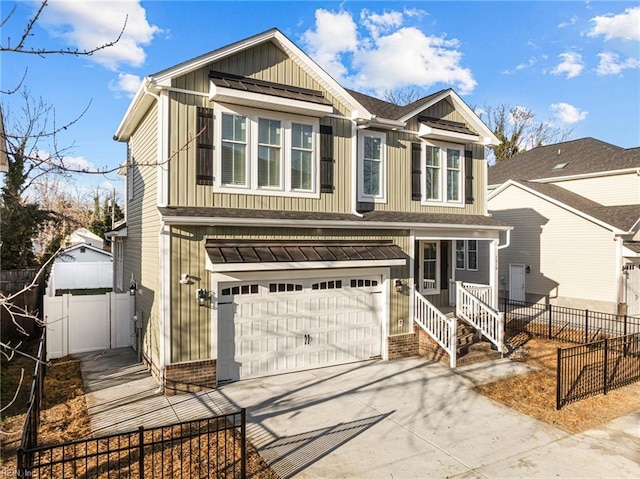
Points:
x=29, y=438
x=565, y=324
x=596, y=368
x=213, y=447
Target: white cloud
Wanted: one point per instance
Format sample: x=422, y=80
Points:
x=78, y=163
x=126, y=83
x=571, y=21
x=624, y=25
x=567, y=113
x=384, y=55
x=335, y=34
x=571, y=64
x=88, y=24
x=610, y=64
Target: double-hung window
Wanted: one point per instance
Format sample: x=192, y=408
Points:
x=467, y=254
x=429, y=267
x=372, y=166
x=443, y=170
x=267, y=153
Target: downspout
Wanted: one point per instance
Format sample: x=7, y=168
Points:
x=354, y=169
x=507, y=239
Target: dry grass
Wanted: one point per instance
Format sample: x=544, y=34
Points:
x=64, y=418
x=535, y=393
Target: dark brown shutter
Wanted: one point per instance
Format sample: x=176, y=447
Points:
x=326, y=159
x=204, y=150
x=468, y=177
x=416, y=171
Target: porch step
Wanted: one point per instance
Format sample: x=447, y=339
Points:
x=471, y=347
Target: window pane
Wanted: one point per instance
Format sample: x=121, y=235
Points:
x=429, y=266
x=302, y=136
x=269, y=132
x=459, y=254
x=301, y=170
x=453, y=185
x=371, y=178
x=372, y=147
x=430, y=251
x=234, y=160
x=472, y=254
x=234, y=127
x=433, y=173
x=453, y=159
x=268, y=167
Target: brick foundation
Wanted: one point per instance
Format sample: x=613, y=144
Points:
x=418, y=343
x=192, y=376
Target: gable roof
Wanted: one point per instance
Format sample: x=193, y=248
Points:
x=363, y=108
x=88, y=246
x=621, y=219
x=571, y=158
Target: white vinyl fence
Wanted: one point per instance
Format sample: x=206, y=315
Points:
x=79, y=324
x=80, y=275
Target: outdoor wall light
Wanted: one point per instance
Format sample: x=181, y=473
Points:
x=201, y=294
x=399, y=285
x=133, y=287
x=528, y=269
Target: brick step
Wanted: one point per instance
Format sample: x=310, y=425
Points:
x=477, y=353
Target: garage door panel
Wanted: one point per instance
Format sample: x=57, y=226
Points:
x=284, y=329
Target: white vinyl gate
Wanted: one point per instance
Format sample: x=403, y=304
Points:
x=267, y=328
x=79, y=324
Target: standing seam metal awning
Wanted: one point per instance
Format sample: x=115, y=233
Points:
x=224, y=254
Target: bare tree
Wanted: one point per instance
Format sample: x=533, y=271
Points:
x=401, y=96
x=518, y=130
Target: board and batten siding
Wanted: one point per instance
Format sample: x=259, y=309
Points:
x=264, y=62
x=570, y=257
x=610, y=190
x=143, y=227
x=190, y=323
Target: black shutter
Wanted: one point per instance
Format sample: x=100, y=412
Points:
x=326, y=159
x=204, y=150
x=416, y=171
x=468, y=177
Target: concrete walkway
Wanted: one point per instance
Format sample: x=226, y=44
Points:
x=405, y=418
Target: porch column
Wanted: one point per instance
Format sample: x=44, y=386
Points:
x=493, y=271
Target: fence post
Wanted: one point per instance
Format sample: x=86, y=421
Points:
x=558, y=378
x=141, y=452
x=243, y=445
x=625, y=348
x=586, y=326
x=606, y=363
x=550, y=314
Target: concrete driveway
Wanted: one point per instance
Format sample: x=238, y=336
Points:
x=404, y=418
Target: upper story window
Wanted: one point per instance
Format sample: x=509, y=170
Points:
x=267, y=153
x=372, y=166
x=443, y=173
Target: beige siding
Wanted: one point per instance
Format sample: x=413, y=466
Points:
x=570, y=257
x=607, y=190
x=191, y=323
x=443, y=110
x=141, y=246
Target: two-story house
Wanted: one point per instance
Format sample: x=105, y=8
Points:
x=277, y=221
x=575, y=212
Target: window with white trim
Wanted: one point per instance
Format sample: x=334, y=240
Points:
x=266, y=152
x=372, y=166
x=429, y=267
x=467, y=255
x=443, y=173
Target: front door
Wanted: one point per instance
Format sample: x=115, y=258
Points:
x=632, y=274
x=516, y=282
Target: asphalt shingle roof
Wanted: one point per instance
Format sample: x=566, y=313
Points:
x=623, y=217
x=387, y=110
x=579, y=157
x=369, y=217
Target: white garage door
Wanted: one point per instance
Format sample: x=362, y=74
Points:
x=273, y=327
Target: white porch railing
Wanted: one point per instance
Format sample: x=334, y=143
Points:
x=437, y=325
x=479, y=314
x=484, y=292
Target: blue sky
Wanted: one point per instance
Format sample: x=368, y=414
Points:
x=575, y=64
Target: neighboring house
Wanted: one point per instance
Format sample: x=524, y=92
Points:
x=82, y=266
x=83, y=235
x=276, y=221
x=575, y=212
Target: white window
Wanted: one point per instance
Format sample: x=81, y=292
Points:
x=467, y=255
x=267, y=153
x=443, y=174
x=372, y=166
x=429, y=267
